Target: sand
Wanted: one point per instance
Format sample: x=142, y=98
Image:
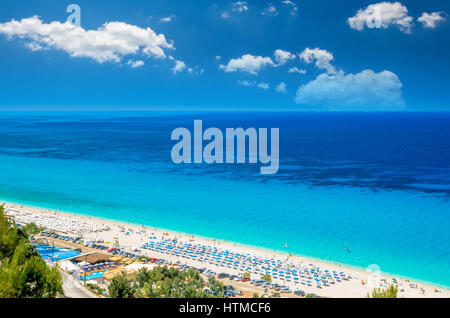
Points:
x=139, y=234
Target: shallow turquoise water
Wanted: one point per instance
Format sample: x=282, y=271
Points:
x=388, y=228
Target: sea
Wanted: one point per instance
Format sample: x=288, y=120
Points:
x=353, y=188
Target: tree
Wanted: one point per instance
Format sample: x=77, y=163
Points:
x=31, y=229
x=164, y=282
x=215, y=285
x=390, y=292
x=142, y=277
x=23, y=273
x=267, y=278
x=247, y=275
x=120, y=287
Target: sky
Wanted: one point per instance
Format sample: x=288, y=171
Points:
x=321, y=55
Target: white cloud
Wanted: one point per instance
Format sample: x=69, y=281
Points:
x=240, y=6
x=292, y=5
x=366, y=90
x=135, y=64
x=321, y=58
x=246, y=83
x=281, y=88
x=247, y=63
x=431, y=20
x=218, y=57
x=270, y=10
x=109, y=43
x=282, y=57
x=263, y=85
x=382, y=15
x=179, y=67
x=195, y=70
x=33, y=46
x=225, y=15
x=253, y=64
x=295, y=69
x=167, y=19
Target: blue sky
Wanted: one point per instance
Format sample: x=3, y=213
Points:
x=236, y=55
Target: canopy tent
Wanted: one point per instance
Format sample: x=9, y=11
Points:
x=83, y=263
x=68, y=266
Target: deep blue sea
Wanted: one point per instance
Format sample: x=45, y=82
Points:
x=357, y=188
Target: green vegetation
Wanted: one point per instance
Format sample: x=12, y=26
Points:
x=247, y=275
x=31, y=229
x=390, y=292
x=164, y=282
x=267, y=278
x=95, y=289
x=120, y=287
x=23, y=273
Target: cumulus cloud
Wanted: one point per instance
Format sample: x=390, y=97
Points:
x=263, y=85
x=225, y=15
x=135, y=64
x=382, y=15
x=366, y=90
x=431, y=20
x=295, y=69
x=282, y=57
x=240, y=6
x=321, y=58
x=281, y=88
x=167, y=19
x=246, y=83
x=33, y=46
x=195, y=70
x=253, y=64
x=109, y=43
x=247, y=63
x=179, y=67
x=270, y=10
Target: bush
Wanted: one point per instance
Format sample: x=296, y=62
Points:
x=120, y=287
x=267, y=278
x=390, y=292
x=31, y=229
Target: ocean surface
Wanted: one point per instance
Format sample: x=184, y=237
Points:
x=355, y=188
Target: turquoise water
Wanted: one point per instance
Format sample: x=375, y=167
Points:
x=395, y=223
x=55, y=254
x=92, y=275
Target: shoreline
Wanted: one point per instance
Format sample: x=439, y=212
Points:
x=358, y=273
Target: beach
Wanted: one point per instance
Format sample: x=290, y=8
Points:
x=131, y=237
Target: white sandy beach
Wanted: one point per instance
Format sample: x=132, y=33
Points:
x=130, y=236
